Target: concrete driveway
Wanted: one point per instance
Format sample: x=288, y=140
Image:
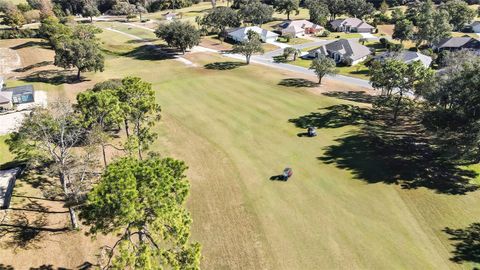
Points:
x=11, y=122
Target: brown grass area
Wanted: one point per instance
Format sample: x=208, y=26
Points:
x=386, y=29
x=215, y=44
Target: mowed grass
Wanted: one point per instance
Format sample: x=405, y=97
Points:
x=232, y=129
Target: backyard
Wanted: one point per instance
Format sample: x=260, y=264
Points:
x=236, y=126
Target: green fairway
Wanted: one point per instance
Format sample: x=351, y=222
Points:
x=232, y=128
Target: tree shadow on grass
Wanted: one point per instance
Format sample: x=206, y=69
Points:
x=36, y=65
x=401, y=154
x=151, y=52
x=297, y=82
x=357, y=96
x=224, y=65
x=54, y=76
x=333, y=117
x=31, y=44
x=467, y=243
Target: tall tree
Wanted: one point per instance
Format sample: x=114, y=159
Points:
x=403, y=30
x=287, y=7
x=359, y=8
x=80, y=51
x=432, y=25
x=90, y=9
x=139, y=107
x=102, y=110
x=145, y=201
x=12, y=16
x=249, y=47
x=178, y=34
x=397, y=80
x=318, y=12
x=459, y=12
x=335, y=7
x=55, y=133
x=256, y=12
x=219, y=19
x=322, y=66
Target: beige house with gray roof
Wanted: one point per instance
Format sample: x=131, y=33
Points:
x=344, y=51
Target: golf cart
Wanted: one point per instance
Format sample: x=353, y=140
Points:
x=311, y=131
x=287, y=173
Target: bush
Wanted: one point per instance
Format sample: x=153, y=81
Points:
x=325, y=33
x=22, y=33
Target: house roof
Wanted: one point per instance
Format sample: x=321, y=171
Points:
x=18, y=90
x=241, y=33
x=5, y=98
x=352, y=22
x=346, y=47
x=475, y=23
x=456, y=42
x=408, y=57
x=302, y=24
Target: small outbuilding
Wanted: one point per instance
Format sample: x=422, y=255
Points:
x=475, y=26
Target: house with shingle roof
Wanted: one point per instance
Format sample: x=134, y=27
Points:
x=11, y=96
x=407, y=57
x=344, y=51
x=457, y=43
x=298, y=28
x=241, y=34
x=351, y=25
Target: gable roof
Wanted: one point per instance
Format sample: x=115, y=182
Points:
x=302, y=24
x=459, y=42
x=4, y=99
x=352, y=22
x=18, y=90
x=346, y=47
x=241, y=33
x=407, y=57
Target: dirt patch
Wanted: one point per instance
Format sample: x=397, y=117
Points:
x=9, y=61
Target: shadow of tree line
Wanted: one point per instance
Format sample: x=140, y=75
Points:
x=404, y=153
x=84, y=266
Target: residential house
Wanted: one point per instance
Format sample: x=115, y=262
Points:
x=344, y=51
x=457, y=43
x=475, y=26
x=11, y=96
x=407, y=57
x=299, y=28
x=351, y=25
x=241, y=34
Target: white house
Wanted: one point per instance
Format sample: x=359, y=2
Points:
x=344, y=51
x=475, y=26
x=407, y=57
x=299, y=28
x=351, y=25
x=240, y=34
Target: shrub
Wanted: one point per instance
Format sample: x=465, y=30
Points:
x=21, y=33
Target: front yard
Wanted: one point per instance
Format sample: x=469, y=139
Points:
x=358, y=71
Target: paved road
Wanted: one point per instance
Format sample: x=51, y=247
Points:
x=267, y=60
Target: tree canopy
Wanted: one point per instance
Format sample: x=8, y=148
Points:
x=287, y=7
x=256, y=12
x=322, y=66
x=249, y=47
x=178, y=34
x=145, y=201
x=219, y=19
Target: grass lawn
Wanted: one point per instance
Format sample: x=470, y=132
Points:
x=338, y=35
x=294, y=41
x=232, y=128
x=5, y=155
x=358, y=71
